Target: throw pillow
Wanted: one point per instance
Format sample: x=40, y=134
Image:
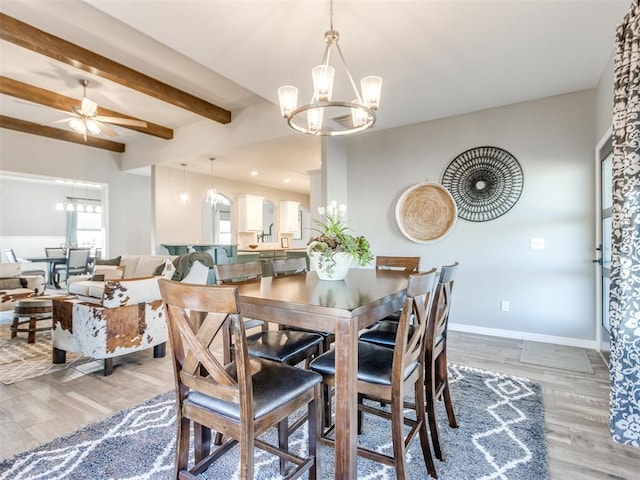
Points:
x=198, y=274
x=107, y=272
x=107, y=261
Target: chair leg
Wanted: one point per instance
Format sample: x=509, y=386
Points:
x=182, y=445
x=446, y=395
x=421, y=415
x=202, y=442
x=283, y=443
x=247, y=452
x=314, y=428
x=108, y=366
x=360, y=413
x=397, y=437
x=433, y=424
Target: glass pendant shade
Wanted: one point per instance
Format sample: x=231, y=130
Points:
x=59, y=207
x=323, y=82
x=314, y=119
x=371, y=87
x=184, y=198
x=70, y=207
x=79, y=208
x=98, y=209
x=89, y=209
x=358, y=116
x=212, y=196
x=288, y=96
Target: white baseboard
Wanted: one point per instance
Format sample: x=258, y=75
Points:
x=533, y=337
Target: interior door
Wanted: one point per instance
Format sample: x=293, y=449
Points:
x=604, y=162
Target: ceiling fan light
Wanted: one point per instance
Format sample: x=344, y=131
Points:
x=288, y=96
x=323, y=82
x=371, y=88
x=92, y=126
x=77, y=125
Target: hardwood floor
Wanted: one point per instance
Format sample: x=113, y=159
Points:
x=579, y=445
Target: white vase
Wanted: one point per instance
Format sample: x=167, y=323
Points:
x=334, y=268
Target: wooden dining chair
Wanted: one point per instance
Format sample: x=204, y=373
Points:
x=243, y=398
x=284, y=346
x=385, y=375
x=57, y=268
x=294, y=266
x=384, y=332
x=436, y=377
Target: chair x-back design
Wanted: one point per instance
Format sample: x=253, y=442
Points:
x=241, y=399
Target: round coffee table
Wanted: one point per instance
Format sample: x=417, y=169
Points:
x=34, y=309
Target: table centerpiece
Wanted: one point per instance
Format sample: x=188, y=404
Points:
x=333, y=251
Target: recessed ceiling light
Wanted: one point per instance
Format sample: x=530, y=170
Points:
x=286, y=180
x=254, y=173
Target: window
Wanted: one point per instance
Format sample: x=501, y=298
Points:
x=89, y=230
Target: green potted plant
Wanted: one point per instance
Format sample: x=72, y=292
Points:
x=334, y=250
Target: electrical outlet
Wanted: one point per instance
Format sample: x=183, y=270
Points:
x=537, y=244
x=504, y=306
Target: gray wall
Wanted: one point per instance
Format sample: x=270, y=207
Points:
x=129, y=196
x=551, y=291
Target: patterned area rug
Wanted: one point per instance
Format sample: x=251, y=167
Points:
x=20, y=360
x=501, y=436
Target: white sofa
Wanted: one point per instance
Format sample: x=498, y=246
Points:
x=14, y=285
x=129, y=266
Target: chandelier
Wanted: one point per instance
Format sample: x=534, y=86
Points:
x=325, y=116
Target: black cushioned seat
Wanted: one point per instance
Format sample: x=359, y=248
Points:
x=374, y=364
x=285, y=346
x=383, y=333
x=274, y=384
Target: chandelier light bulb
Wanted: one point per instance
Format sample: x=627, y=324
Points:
x=323, y=82
x=371, y=88
x=314, y=119
x=288, y=97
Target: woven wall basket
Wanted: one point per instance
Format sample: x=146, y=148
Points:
x=426, y=212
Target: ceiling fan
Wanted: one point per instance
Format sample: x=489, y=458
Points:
x=85, y=119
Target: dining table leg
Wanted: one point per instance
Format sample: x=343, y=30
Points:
x=346, y=404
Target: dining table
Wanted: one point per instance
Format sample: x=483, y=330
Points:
x=343, y=307
x=52, y=262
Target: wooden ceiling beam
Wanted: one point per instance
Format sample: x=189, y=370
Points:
x=59, y=134
x=26, y=36
x=15, y=88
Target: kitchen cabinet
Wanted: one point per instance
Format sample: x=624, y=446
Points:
x=249, y=213
x=289, y=216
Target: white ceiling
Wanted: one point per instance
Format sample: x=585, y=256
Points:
x=436, y=58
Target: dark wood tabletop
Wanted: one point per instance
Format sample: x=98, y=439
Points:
x=343, y=307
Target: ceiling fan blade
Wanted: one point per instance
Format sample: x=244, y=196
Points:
x=122, y=121
x=88, y=107
x=62, y=120
x=106, y=129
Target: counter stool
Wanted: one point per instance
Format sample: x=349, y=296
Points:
x=34, y=309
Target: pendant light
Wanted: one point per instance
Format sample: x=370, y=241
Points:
x=212, y=193
x=184, y=196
